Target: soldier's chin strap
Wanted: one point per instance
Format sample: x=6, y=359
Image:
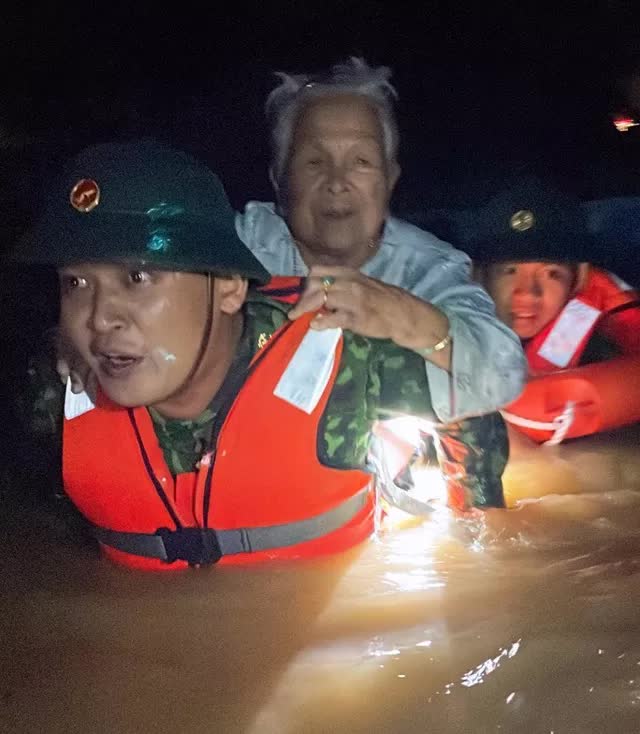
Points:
x=206, y=336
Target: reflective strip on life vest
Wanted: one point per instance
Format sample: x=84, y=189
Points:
x=622, y=285
x=206, y=545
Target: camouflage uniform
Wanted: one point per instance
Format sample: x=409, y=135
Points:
x=377, y=379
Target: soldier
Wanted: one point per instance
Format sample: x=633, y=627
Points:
x=218, y=428
x=531, y=254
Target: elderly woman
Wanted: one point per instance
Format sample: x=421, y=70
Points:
x=335, y=144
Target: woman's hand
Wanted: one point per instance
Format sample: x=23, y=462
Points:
x=345, y=298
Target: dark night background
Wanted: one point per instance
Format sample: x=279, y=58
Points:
x=482, y=87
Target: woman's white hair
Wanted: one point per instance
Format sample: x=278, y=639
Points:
x=354, y=76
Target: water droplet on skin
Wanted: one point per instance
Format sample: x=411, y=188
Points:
x=167, y=356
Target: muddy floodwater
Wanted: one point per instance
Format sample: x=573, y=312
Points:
x=520, y=621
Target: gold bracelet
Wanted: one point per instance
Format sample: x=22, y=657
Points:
x=442, y=344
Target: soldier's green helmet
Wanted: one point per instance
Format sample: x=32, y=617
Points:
x=528, y=219
x=139, y=202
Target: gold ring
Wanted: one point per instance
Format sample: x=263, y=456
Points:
x=327, y=282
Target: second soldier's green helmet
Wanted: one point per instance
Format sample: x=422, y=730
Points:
x=528, y=218
x=139, y=202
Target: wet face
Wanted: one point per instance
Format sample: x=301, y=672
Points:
x=141, y=331
x=529, y=295
x=338, y=181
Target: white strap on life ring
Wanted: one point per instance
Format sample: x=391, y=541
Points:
x=560, y=424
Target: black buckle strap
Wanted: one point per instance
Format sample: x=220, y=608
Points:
x=196, y=546
x=204, y=546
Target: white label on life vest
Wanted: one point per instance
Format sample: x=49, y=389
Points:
x=575, y=322
x=76, y=404
x=307, y=374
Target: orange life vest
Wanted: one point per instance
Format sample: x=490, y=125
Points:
x=260, y=494
x=284, y=288
x=597, y=306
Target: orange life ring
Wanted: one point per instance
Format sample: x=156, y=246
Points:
x=578, y=401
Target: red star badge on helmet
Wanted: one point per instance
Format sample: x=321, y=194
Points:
x=85, y=195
